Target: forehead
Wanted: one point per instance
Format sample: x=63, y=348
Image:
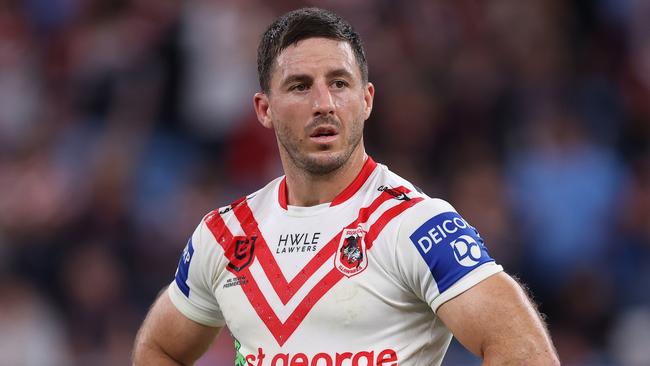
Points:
x=312, y=56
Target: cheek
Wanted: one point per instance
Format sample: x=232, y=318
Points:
x=287, y=121
x=281, y=115
x=351, y=106
x=345, y=99
x=341, y=103
x=291, y=111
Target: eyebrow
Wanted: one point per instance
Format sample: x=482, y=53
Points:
x=304, y=78
x=296, y=78
x=339, y=73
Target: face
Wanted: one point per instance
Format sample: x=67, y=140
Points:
x=317, y=104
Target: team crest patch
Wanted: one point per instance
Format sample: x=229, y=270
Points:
x=351, y=257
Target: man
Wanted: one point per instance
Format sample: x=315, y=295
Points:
x=339, y=262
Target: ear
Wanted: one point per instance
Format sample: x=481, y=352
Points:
x=368, y=97
x=263, y=109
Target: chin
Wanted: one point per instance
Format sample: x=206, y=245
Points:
x=324, y=162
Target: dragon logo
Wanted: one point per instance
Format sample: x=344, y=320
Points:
x=351, y=257
x=351, y=252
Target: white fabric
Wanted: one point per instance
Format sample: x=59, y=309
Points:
x=382, y=315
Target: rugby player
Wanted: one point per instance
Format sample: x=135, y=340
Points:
x=340, y=261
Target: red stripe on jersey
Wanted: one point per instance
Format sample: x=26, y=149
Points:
x=385, y=218
x=285, y=289
x=218, y=228
x=305, y=306
x=262, y=307
x=281, y=331
x=224, y=237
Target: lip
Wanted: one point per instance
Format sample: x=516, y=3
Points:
x=324, y=134
x=325, y=139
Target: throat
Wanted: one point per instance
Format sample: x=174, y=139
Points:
x=314, y=190
x=306, y=189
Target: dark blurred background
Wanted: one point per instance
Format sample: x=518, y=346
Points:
x=123, y=122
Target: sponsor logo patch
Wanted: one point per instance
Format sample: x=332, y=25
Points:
x=450, y=247
x=184, y=267
x=297, y=243
x=385, y=357
x=396, y=193
x=351, y=258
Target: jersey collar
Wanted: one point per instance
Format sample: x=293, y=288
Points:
x=349, y=191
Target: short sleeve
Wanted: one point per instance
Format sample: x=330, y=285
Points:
x=192, y=289
x=439, y=254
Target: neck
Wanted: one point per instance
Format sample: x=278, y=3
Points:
x=305, y=189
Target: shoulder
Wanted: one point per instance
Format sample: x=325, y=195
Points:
x=426, y=215
x=218, y=224
x=418, y=212
x=269, y=191
x=429, y=211
x=387, y=178
x=403, y=189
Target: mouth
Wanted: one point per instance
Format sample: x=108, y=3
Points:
x=324, y=134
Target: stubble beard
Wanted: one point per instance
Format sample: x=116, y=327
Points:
x=323, y=163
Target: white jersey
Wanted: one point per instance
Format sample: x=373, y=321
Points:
x=354, y=282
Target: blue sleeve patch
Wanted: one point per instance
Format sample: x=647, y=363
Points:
x=451, y=247
x=184, y=268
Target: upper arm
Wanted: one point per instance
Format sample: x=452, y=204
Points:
x=185, y=319
x=495, y=320
x=167, y=337
x=444, y=260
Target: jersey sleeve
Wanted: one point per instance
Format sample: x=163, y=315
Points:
x=192, y=289
x=439, y=254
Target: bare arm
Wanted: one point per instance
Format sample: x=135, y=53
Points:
x=496, y=321
x=167, y=337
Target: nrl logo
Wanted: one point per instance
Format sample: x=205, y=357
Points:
x=241, y=254
x=351, y=258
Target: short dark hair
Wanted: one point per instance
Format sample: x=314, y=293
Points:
x=301, y=24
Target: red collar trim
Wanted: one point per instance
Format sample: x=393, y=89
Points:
x=349, y=191
x=367, y=169
x=282, y=193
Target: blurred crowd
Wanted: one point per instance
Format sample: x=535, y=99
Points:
x=123, y=122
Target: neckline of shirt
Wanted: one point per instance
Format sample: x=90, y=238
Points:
x=366, y=170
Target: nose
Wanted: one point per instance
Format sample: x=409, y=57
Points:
x=322, y=103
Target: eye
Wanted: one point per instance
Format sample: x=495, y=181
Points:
x=298, y=87
x=339, y=84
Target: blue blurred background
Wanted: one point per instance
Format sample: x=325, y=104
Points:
x=123, y=122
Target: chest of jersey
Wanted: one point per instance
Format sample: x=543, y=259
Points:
x=293, y=279
x=351, y=283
